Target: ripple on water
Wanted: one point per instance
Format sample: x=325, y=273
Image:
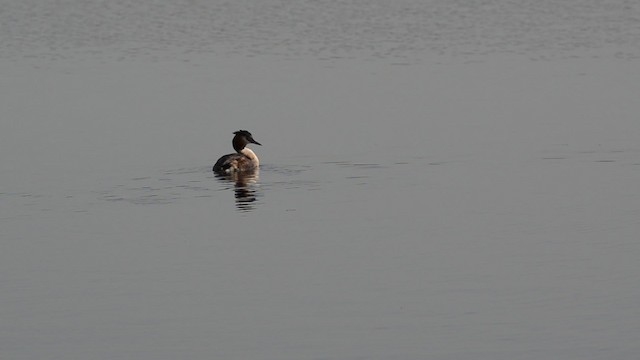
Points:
x=401, y=31
x=167, y=187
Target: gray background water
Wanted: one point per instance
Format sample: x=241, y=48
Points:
x=440, y=180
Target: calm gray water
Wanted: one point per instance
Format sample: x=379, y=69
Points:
x=439, y=180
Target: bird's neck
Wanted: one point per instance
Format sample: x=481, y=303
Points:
x=251, y=155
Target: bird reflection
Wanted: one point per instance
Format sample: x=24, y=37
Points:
x=244, y=187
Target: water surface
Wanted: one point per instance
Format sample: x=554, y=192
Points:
x=439, y=180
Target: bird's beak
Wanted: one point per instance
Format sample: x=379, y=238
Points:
x=254, y=142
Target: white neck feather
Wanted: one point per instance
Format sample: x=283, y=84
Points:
x=251, y=155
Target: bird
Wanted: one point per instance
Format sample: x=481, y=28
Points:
x=244, y=160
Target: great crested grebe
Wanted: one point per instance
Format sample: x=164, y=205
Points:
x=244, y=160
